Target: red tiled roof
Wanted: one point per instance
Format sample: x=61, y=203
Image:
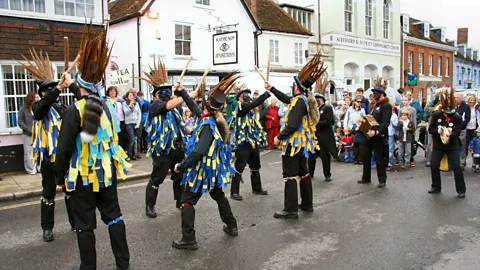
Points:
x=270, y=16
x=124, y=8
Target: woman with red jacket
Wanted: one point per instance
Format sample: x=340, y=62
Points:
x=272, y=122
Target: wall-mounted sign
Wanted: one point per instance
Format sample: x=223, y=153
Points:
x=193, y=80
x=120, y=77
x=362, y=43
x=225, y=48
x=412, y=80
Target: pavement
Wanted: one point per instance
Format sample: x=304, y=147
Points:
x=399, y=227
x=20, y=185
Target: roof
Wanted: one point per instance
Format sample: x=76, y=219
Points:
x=414, y=32
x=124, y=9
x=271, y=17
x=466, y=58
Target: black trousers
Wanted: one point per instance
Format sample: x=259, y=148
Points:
x=244, y=155
x=189, y=199
x=454, y=160
x=123, y=136
x=295, y=167
x=358, y=152
x=380, y=150
x=326, y=161
x=47, y=204
x=161, y=165
x=84, y=204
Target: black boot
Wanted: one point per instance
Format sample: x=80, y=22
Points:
x=306, y=193
x=257, y=183
x=188, y=240
x=47, y=216
x=150, y=200
x=291, y=201
x=312, y=161
x=86, y=245
x=230, y=231
x=235, y=189
x=69, y=212
x=118, y=241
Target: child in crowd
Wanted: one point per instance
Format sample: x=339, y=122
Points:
x=392, y=131
x=347, y=142
x=405, y=136
x=474, y=148
x=338, y=138
x=358, y=141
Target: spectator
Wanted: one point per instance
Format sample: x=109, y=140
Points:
x=418, y=107
x=413, y=118
x=346, y=94
x=341, y=110
x=338, y=143
x=145, y=108
x=112, y=94
x=472, y=124
x=348, y=101
x=371, y=105
x=262, y=109
x=361, y=92
x=353, y=112
x=347, y=142
x=188, y=119
x=132, y=122
x=358, y=142
x=272, y=122
x=474, y=148
x=392, y=131
x=281, y=114
x=464, y=111
x=25, y=122
x=405, y=137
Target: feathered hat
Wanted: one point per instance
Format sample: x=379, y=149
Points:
x=310, y=73
x=380, y=86
x=201, y=90
x=94, y=56
x=158, y=77
x=241, y=89
x=217, y=96
x=321, y=86
x=41, y=70
x=447, y=101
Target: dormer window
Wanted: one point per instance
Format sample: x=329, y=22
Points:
x=302, y=16
x=37, y=6
x=203, y=2
x=78, y=8
x=426, y=30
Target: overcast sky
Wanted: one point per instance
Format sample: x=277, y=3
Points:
x=452, y=14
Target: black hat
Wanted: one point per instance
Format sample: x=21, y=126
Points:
x=44, y=86
x=243, y=90
x=318, y=95
x=164, y=90
x=217, y=102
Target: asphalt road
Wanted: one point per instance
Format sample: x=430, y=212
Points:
x=353, y=227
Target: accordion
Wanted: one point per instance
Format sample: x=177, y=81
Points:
x=368, y=123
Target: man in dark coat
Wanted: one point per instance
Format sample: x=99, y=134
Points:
x=377, y=140
x=326, y=139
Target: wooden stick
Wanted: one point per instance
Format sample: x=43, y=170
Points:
x=268, y=64
x=66, y=51
x=203, y=77
x=185, y=69
x=260, y=73
x=71, y=67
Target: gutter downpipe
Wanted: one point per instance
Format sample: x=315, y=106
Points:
x=319, y=28
x=139, y=52
x=256, y=34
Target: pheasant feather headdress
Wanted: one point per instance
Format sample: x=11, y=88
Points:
x=158, y=78
x=310, y=73
x=94, y=56
x=381, y=83
x=41, y=69
x=217, y=95
x=447, y=101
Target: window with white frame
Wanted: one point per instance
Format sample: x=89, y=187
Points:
x=37, y=6
x=274, y=51
x=301, y=16
x=447, y=63
x=368, y=17
x=183, y=39
x=78, y=8
x=430, y=65
x=420, y=63
x=298, y=53
x=386, y=19
x=410, y=62
x=439, y=67
x=203, y=2
x=16, y=84
x=348, y=15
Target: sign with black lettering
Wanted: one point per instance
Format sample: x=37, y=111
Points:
x=225, y=48
x=120, y=77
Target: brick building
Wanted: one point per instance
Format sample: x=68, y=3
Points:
x=428, y=58
x=42, y=24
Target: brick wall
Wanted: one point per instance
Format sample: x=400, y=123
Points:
x=18, y=35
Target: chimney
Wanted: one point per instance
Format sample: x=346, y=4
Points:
x=254, y=7
x=462, y=36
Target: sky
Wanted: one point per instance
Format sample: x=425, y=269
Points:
x=452, y=14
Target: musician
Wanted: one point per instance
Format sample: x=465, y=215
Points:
x=327, y=139
x=47, y=114
x=448, y=124
x=89, y=157
x=297, y=138
x=167, y=137
x=248, y=136
x=377, y=140
x=207, y=168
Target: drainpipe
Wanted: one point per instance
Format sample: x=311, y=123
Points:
x=256, y=34
x=139, y=52
x=319, y=29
